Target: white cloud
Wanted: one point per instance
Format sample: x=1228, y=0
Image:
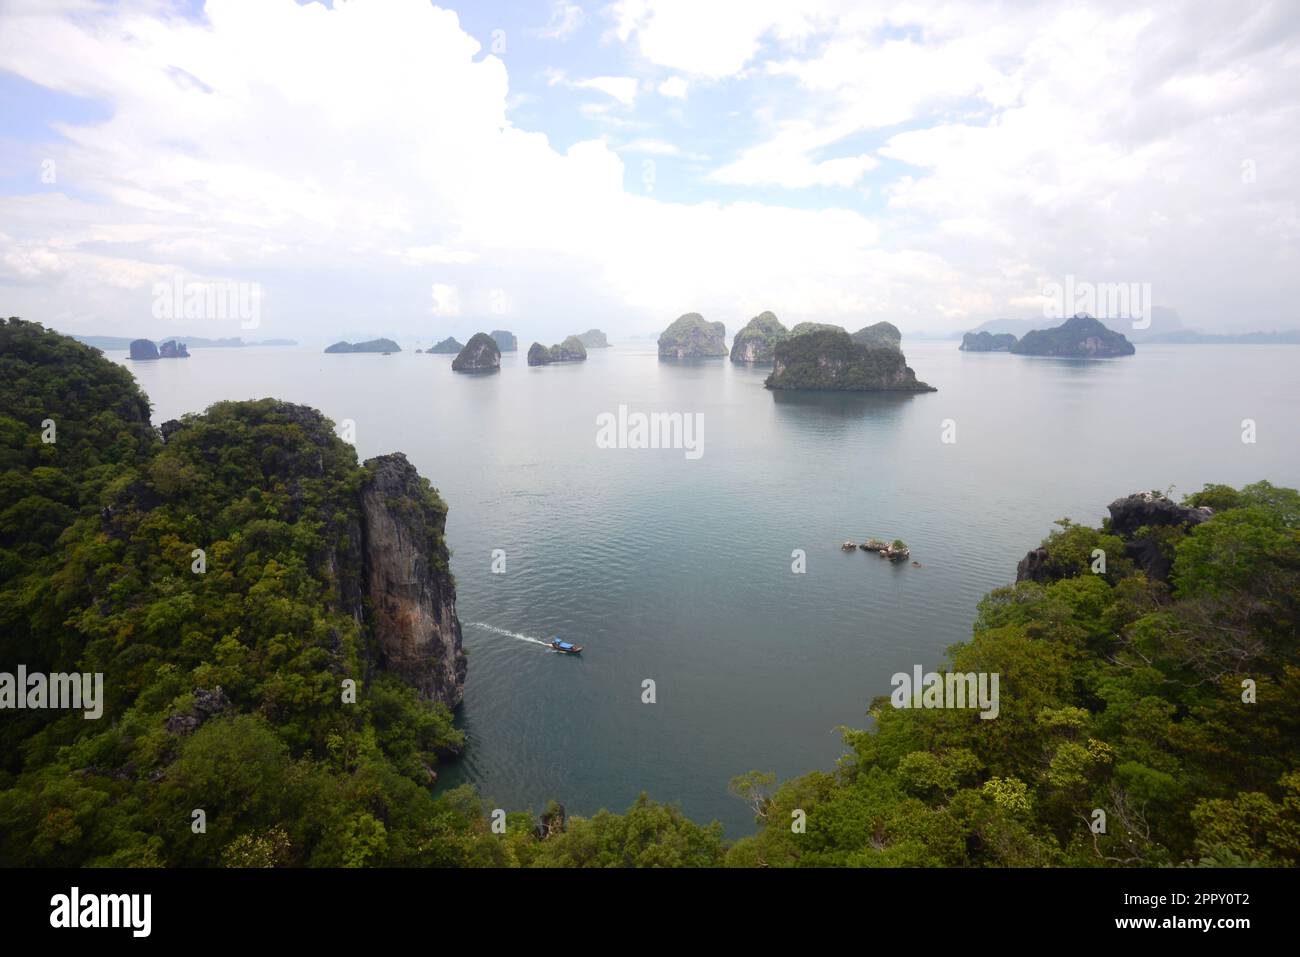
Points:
x=785, y=160
x=621, y=88
x=763, y=166
x=714, y=39
x=446, y=299
x=1030, y=141
x=372, y=144
x=656, y=147
x=338, y=156
x=437, y=253
x=564, y=21
x=675, y=87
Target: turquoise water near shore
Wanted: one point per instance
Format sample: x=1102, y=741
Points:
x=678, y=570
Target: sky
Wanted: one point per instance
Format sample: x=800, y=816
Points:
x=393, y=167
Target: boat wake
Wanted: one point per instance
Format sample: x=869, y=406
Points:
x=510, y=634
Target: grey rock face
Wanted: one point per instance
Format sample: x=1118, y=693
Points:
x=1033, y=567
x=207, y=704
x=143, y=349
x=1130, y=513
x=407, y=579
x=481, y=354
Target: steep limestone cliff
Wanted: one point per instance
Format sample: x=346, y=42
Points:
x=481, y=354
x=757, y=341
x=412, y=598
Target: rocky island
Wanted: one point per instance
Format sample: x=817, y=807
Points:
x=1079, y=337
x=690, y=337
x=144, y=349
x=373, y=345
x=987, y=342
x=505, y=340
x=481, y=354
x=830, y=360
x=756, y=342
x=448, y=347
x=594, y=339
x=570, y=350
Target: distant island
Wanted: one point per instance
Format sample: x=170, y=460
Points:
x=373, y=345
x=1079, y=337
x=448, y=347
x=987, y=342
x=481, y=354
x=831, y=360
x=594, y=339
x=690, y=337
x=1191, y=337
x=145, y=350
x=113, y=343
x=1164, y=326
x=570, y=350
x=505, y=340
x=756, y=342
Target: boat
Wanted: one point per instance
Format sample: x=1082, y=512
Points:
x=565, y=647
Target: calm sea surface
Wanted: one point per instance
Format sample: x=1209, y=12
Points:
x=679, y=570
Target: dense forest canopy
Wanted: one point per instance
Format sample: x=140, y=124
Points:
x=1170, y=705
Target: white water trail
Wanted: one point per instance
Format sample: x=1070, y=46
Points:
x=509, y=634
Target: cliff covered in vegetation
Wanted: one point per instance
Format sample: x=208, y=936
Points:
x=756, y=342
x=691, y=337
x=275, y=625
x=570, y=350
